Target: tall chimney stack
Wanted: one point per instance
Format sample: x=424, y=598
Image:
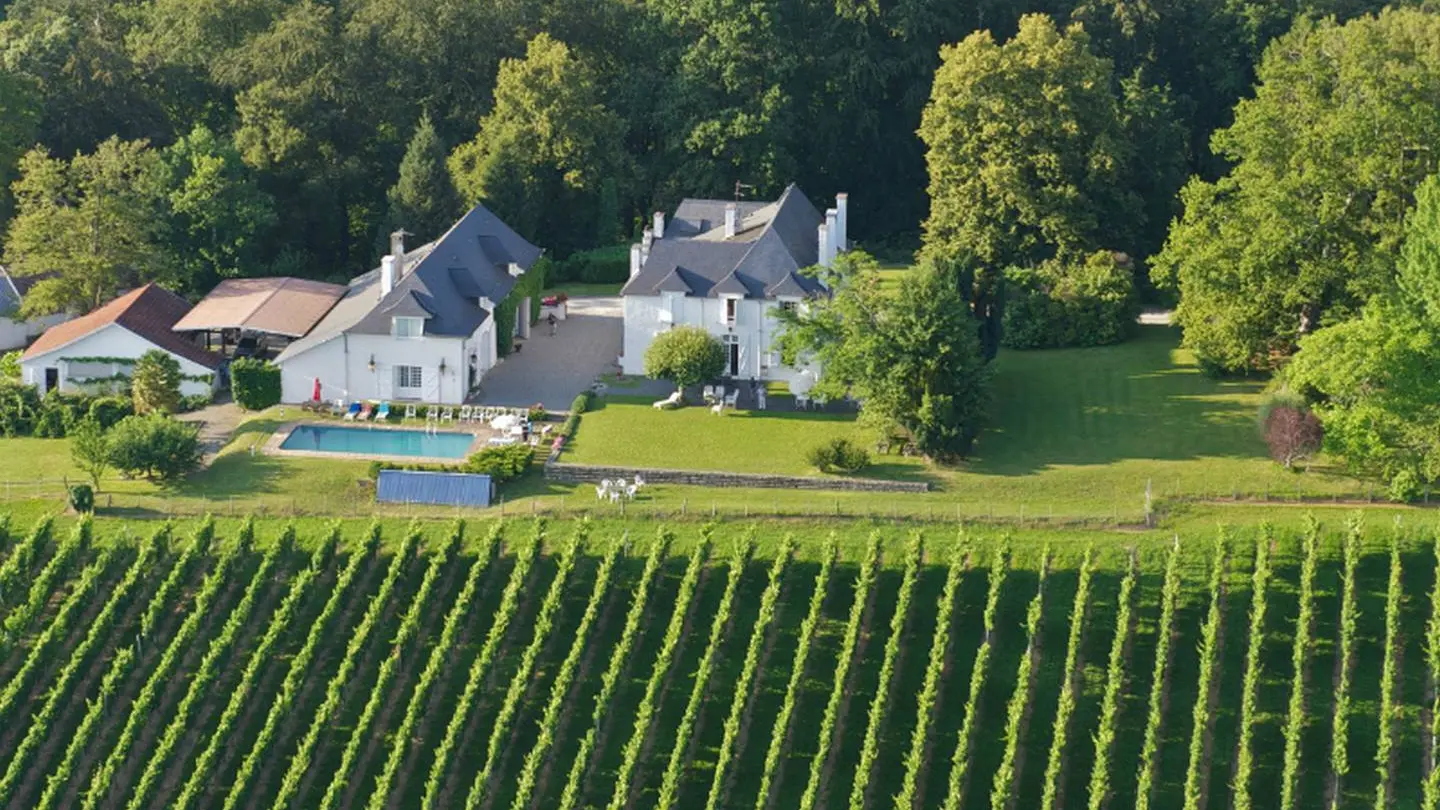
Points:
x=397, y=249
x=659, y=225
x=387, y=275
x=646, y=238
x=842, y=221
x=822, y=246
x=832, y=226
x=634, y=260
x=732, y=220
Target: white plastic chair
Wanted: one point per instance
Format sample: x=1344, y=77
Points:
x=464, y=413
x=717, y=407
x=732, y=399
x=614, y=496
x=600, y=492
x=447, y=415
x=639, y=482
x=606, y=483
x=619, y=483
x=409, y=411
x=630, y=491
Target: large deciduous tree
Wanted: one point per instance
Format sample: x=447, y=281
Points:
x=544, y=149
x=1375, y=380
x=1307, y=225
x=912, y=359
x=86, y=227
x=685, y=355
x=1027, y=155
x=218, y=215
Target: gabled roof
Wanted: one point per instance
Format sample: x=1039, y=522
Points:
x=442, y=281
x=278, y=306
x=773, y=241
x=13, y=289
x=150, y=312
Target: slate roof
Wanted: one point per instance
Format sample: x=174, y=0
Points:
x=441, y=282
x=278, y=306
x=13, y=289
x=772, y=243
x=150, y=312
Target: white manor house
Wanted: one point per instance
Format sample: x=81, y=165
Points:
x=726, y=267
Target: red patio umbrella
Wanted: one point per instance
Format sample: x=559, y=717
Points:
x=317, y=389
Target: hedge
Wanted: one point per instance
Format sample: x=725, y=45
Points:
x=255, y=383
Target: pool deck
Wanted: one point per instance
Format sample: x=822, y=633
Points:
x=480, y=433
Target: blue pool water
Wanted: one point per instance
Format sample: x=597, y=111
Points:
x=374, y=442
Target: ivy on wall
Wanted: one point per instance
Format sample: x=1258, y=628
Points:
x=531, y=284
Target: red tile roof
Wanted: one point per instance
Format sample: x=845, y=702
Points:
x=149, y=312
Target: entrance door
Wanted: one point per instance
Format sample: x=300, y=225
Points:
x=52, y=379
x=732, y=355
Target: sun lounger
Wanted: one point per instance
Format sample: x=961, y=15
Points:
x=366, y=409
x=383, y=413
x=353, y=412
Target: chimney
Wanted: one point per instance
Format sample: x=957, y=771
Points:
x=842, y=221
x=635, y=260
x=516, y=270
x=646, y=237
x=732, y=220
x=659, y=225
x=832, y=233
x=486, y=304
x=822, y=249
x=387, y=275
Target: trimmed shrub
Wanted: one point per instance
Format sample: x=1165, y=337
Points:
x=155, y=383
x=1061, y=303
x=82, y=498
x=838, y=455
x=537, y=413
x=108, y=411
x=19, y=408
x=195, y=402
x=502, y=463
x=155, y=446
x=685, y=355
x=255, y=383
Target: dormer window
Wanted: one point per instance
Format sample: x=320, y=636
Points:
x=732, y=308
x=402, y=327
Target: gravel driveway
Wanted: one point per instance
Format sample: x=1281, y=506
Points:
x=552, y=370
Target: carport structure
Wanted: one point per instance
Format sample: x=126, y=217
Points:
x=263, y=314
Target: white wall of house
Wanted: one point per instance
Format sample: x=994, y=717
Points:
x=343, y=366
x=113, y=340
x=16, y=334
x=754, y=331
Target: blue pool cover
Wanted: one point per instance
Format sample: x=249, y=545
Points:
x=444, y=489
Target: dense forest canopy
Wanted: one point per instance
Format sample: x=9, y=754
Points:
x=318, y=122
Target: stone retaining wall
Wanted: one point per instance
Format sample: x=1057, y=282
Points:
x=585, y=473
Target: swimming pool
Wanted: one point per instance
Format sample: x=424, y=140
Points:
x=377, y=442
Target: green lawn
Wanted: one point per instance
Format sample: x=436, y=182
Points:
x=1078, y=432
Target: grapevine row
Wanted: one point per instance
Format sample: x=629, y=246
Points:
x=119, y=668
x=1386, y=745
x=1245, y=757
x=1340, y=729
x=1060, y=731
x=1431, y=785
x=299, y=666
x=550, y=720
x=1003, y=786
x=449, y=633
x=279, y=623
x=825, y=739
x=1299, y=656
x=645, y=712
x=675, y=768
x=45, y=582
x=504, y=614
x=201, y=681
x=409, y=627
x=16, y=568
x=1209, y=655
x=908, y=796
x=1099, y=791
x=870, y=748
x=769, y=601
x=619, y=658
x=965, y=739
x=1164, y=637
x=4, y=531
x=520, y=681
x=163, y=600
x=79, y=596
x=335, y=689
x=55, y=782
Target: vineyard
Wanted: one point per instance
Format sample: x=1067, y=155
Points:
x=531, y=666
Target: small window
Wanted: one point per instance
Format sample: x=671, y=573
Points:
x=732, y=305
x=789, y=306
x=408, y=327
x=408, y=377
